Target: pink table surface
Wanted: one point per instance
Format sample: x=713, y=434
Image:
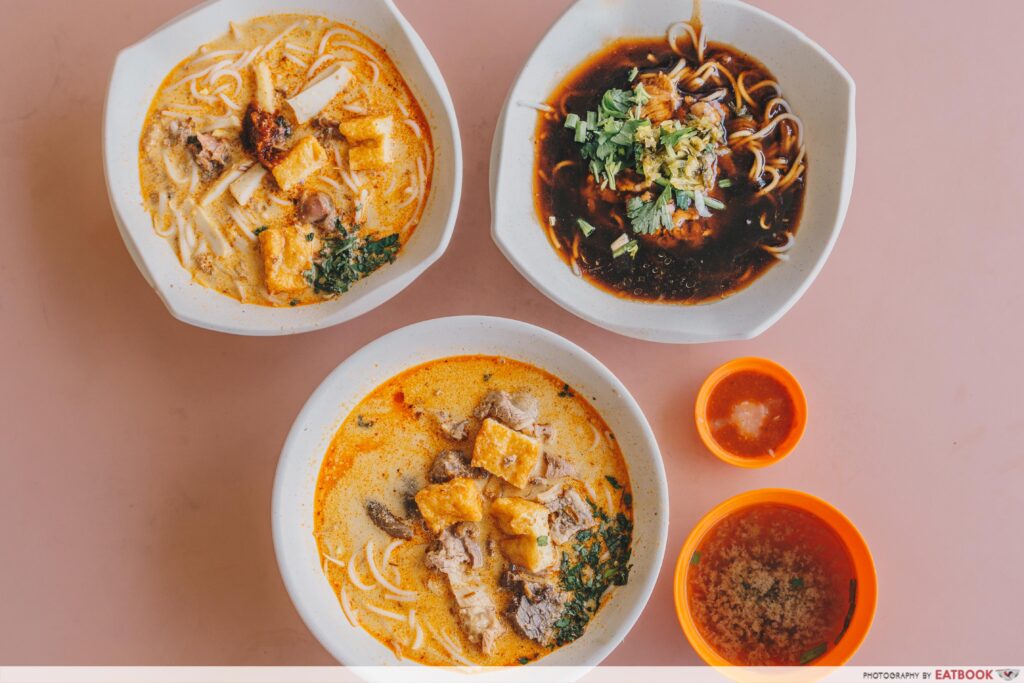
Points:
x=138, y=453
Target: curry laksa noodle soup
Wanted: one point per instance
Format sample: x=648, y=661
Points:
x=670, y=169
x=474, y=510
x=285, y=160
x=771, y=584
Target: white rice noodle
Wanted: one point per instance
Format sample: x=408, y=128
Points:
x=226, y=72
x=361, y=207
x=402, y=108
x=228, y=102
x=198, y=95
x=354, y=108
x=376, y=72
x=193, y=178
x=221, y=185
x=236, y=32
x=550, y=494
x=199, y=74
x=333, y=183
x=597, y=436
x=337, y=157
x=412, y=618
x=311, y=100
x=327, y=37
x=173, y=172
x=280, y=201
x=387, y=614
x=243, y=225
x=356, y=48
x=211, y=55
x=392, y=184
x=333, y=560
x=380, y=577
x=417, y=131
x=246, y=185
x=245, y=59
x=184, y=247
x=354, y=577
x=346, y=607
x=451, y=647
x=412, y=196
x=210, y=231
x=168, y=114
x=276, y=39
x=385, y=560
x=227, y=122
x=298, y=48
x=590, y=491
x=299, y=62
x=400, y=598
x=349, y=181
x=608, y=498
x=539, y=106
x=161, y=225
x=320, y=61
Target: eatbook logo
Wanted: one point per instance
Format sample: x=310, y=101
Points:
x=1008, y=674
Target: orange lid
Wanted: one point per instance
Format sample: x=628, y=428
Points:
x=863, y=566
x=776, y=372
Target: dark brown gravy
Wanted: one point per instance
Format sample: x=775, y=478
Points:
x=663, y=269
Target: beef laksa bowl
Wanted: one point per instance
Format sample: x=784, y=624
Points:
x=675, y=176
x=492, y=497
x=291, y=165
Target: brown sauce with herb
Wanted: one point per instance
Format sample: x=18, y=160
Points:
x=700, y=260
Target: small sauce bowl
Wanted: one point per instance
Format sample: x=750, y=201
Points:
x=866, y=596
x=761, y=375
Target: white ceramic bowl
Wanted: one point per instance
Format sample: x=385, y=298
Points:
x=821, y=92
x=137, y=74
x=295, y=483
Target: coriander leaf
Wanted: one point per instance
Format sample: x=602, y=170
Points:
x=649, y=217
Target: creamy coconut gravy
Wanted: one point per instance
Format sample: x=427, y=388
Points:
x=444, y=561
x=285, y=160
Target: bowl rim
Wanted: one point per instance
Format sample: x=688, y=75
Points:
x=293, y=574
x=377, y=293
x=777, y=372
x=668, y=331
x=860, y=553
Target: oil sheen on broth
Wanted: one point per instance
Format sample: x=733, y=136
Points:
x=285, y=160
x=688, y=178
x=493, y=503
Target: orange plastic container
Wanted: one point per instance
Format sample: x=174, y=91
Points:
x=863, y=565
x=773, y=370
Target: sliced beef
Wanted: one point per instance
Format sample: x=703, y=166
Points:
x=179, y=131
x=536, y=605
x=410, y=487
x=386, y=520
x=264, y=134
x=570, y=514
x=210, y=154
x=326, y=128
x=555, y=467
x=458, y=545
x=517, y=412
x=451, y=464
x=455, y=430
x=316, y=207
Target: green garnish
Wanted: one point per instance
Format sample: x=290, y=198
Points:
x=613, y=481
x=630, y=247
x=487, y=376
x=695, y=558
x=849, y=613
x=571, y=120
x=581, y=132
x=293, y=302
x=542, y=541
x=713, y=203
x=309, y=237
x=566, y=392
x=524, y=660
x=627, y=499
x=259, y=230
x=724, y=183
x=587, y=577
x=586, y=228
x=632, y=74
x=345, y=260
x=363, y=422
x=648, y=217
x=607, y=135
x=796, y=582
x=813, y=653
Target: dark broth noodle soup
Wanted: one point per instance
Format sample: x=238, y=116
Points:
x=670, y=169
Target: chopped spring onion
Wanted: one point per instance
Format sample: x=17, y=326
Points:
x=571, y=120
x=632, y=73
x=713, y=203
x=698, y=202
x=581, y=132
x=724, y=183
x=629, y=247
x=620, y=242
x=586, y=228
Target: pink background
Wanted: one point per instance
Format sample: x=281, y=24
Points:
x=138, y=452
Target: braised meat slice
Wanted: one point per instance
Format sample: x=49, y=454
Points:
x=457, y=545
x=210, y=154
x=517, y=412
x=456, y=430
x=536, y=605
x=569, y=515
x=451, y=464
x=316, y=207
x=264, y=135
x=387, y=522
x=555, y=467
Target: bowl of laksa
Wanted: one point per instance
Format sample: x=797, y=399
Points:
x=470, y=491
x=775, y=577
x=276, y=168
